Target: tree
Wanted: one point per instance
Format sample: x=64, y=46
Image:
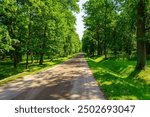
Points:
x=141, y=45
x=5, y=40
x=99, y=20
x=38, y=28
x=117, y=25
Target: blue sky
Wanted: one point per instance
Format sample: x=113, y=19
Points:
x=79, y=22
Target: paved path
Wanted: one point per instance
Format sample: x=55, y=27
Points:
x=70, y=80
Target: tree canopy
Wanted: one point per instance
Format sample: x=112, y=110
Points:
x=117, y=27
x=38, y=28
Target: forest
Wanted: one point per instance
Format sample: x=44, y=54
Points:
x=117, y=41
x=37, y=29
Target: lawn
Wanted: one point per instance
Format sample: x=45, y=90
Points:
x=8, y=73
x=119, y=80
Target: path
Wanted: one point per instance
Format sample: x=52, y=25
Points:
x=70, y=80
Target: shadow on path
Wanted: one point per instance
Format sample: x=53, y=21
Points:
x=70, y=80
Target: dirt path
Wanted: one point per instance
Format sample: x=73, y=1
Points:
x=70, y=80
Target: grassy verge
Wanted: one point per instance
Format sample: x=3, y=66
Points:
x=8, y=73
x=119, y=80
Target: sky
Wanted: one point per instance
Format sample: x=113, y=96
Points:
x=79, y=22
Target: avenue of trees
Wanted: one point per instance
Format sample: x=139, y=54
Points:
x=118, y=27
x=37, y=28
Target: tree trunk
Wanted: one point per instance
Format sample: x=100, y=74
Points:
x=99, y=48
x=105, y=51
x=141, y=46
x=41, y=59
x=141, y=58
x=27, y=60
x=3, y=56
x=12, y=35
x=32, y=58
x=15, y=59
x=11, y=56
x=20, y=57
x=148, y=48
x=43, y=46
x=28, y=41
x=105, y=30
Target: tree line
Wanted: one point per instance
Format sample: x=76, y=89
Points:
x=38, y=28
x=117, y=27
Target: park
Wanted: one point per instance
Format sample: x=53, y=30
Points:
x=44, y=56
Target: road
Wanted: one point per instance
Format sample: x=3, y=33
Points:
x=71, y=80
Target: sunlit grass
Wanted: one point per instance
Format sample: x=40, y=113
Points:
x=118, y=79
x=8, y=73
x=145, y=75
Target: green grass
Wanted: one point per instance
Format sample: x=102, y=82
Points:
x=119, y=80
x=8, y=73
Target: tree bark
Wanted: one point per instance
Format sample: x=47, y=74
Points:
x=27, y=60
x=32, y=57
x=99, y=48
x=28, y=41
x=43, y=46
x=41, y=59
x=105, y=51
x=15, y=58
x=20, y=57
x=141, y=45
x=141, y=51
x=105, y=30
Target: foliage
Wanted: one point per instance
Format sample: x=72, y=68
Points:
x=5, y=41
x=38, y=28
x=117, y=26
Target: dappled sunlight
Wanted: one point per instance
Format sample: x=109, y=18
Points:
x=106, y=83
x=129, y=97
x=119, y=80
x=8, y=73
x=145, y=76
x=99, y=59
x=119, y=69
x=70, y=80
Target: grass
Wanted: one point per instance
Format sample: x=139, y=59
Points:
x=8, y=73
x=119, y=80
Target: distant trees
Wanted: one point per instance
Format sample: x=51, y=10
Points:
x=115, y=26
x=38, y=28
